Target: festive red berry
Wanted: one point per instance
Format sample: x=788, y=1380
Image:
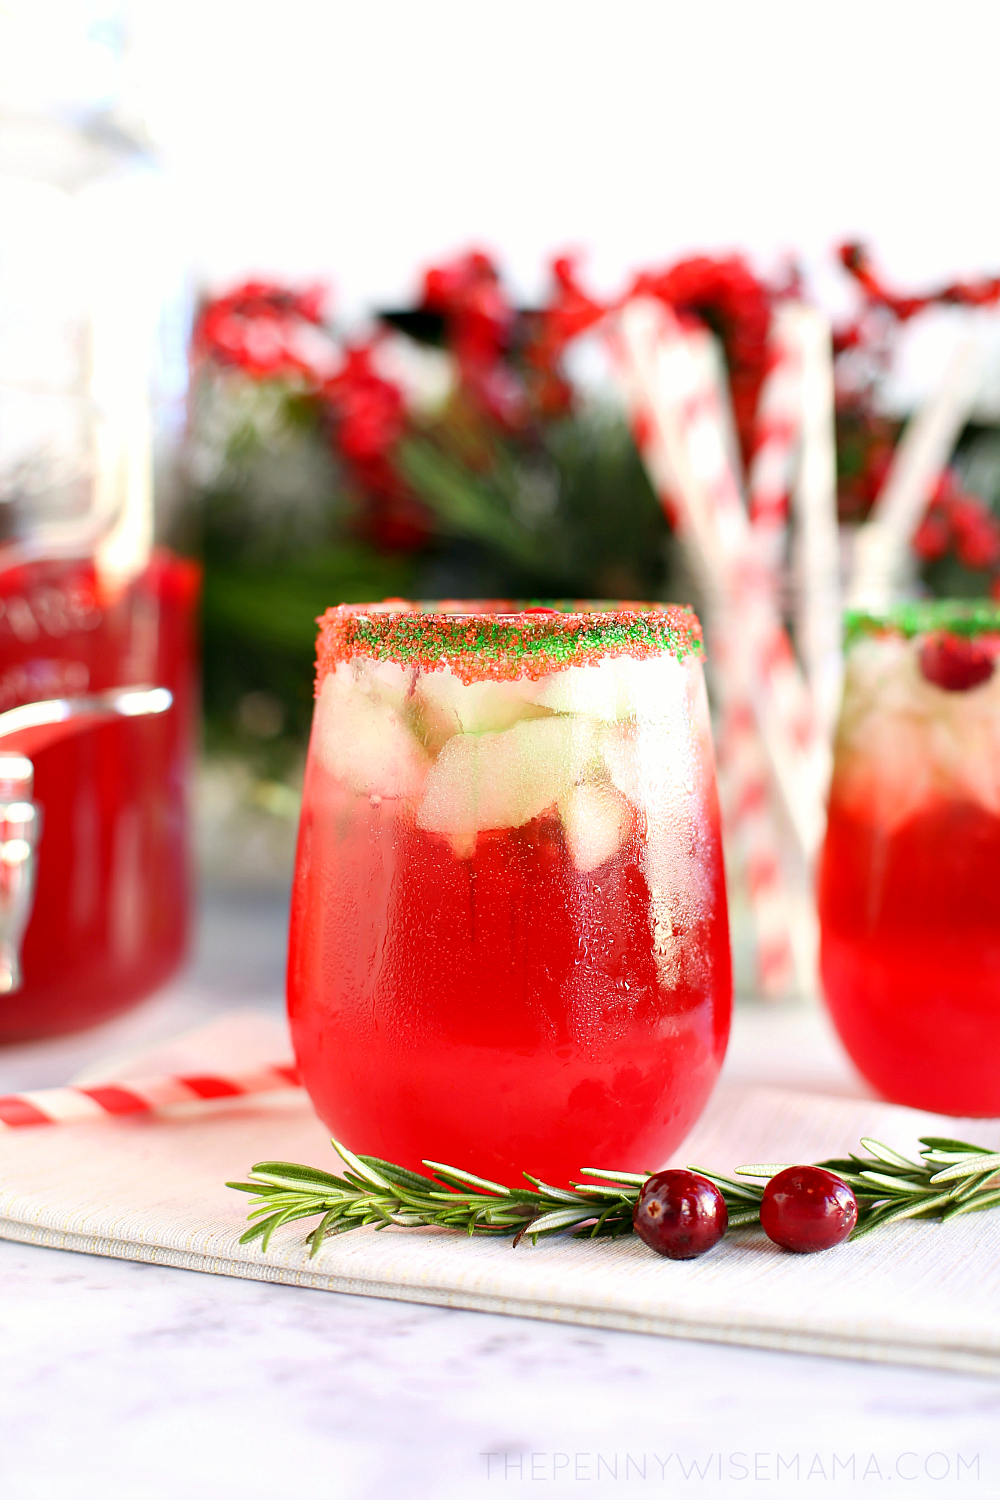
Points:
x=680, y=1215
x=806, y=1209
x=933, y=535
x=955, y=663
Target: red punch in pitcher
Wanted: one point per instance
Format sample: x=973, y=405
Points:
x=509, y=943
x=107, y=917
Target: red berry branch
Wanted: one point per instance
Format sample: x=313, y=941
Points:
x=257, y=328
x=959, y=522
x=480, y=327
x=366, y=417
x=857, y=262
x=727, y=296
x=511, y=380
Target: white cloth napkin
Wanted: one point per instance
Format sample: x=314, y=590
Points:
x=151, y=1189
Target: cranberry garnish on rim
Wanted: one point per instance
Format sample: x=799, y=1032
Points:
x=954, y=662
x=680, y=1214
x=807, y=1208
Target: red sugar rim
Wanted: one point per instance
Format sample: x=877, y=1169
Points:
x=503, y=639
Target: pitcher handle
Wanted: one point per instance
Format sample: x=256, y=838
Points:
x=34, y=726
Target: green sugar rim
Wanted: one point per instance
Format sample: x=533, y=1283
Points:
x=968, y=617
x=496, y=640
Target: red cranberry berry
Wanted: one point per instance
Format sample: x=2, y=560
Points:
x=680, y=1215
x=806, y=1209
x=955, y=663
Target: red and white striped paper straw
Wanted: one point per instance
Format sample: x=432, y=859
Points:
x=672, y=394
x=776, y=438
x=816, y=565
x=795, y=458
x=672, y=386
x=752, y=850
x=101, y=1101
x=882, y=545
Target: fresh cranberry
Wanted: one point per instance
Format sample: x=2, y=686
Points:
x=680, y=1214
x=955, y=663
x=806, y=1209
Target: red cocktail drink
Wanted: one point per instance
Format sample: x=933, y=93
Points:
x=909, y=887
x=509, y=941
x=110, y=912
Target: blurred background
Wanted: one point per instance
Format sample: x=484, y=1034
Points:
x=373, y=251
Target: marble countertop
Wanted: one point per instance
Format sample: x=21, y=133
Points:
x=120, y=1379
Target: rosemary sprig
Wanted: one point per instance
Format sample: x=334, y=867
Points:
x=951, y=1178
x=381, y=1194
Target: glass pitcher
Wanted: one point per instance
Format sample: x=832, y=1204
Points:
x=93, y=320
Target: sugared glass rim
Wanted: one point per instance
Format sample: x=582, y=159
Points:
x=912, y=617
x=503, y=639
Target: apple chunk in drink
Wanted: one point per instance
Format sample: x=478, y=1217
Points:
x=509, y=942
x=909, y=888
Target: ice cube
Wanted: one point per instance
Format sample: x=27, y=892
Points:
x=597, y=821
x=477, y=707
x=650, y=759
x=362, y=736
x=387, y=680
x=620, y=755
x=599, y=690
x=503, y=780
x=903, y=743
x=617, y=688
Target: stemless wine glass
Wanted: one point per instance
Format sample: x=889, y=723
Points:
x=509, y=940
x=909, y=889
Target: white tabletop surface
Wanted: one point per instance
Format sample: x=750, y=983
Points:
x=139, y=1381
